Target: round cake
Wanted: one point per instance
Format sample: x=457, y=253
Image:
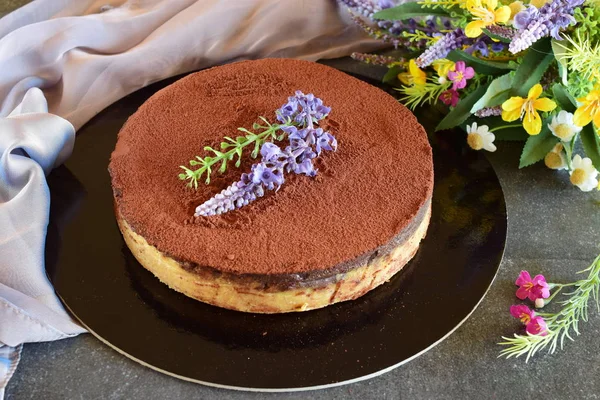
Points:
x=315, y=241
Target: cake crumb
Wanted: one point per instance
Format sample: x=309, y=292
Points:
x=231, y=257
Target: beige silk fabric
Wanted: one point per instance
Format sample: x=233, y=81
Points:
x=87, y=54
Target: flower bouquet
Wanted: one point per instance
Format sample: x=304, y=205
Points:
x=519, y=71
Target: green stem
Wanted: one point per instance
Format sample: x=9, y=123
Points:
x=549, y=299
x=222, y=157
x=504, y=127
x=569, y=146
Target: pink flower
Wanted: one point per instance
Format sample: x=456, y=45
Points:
x=449, y=97
x=523, y=313
x=534, y=325
x=460, y=74
x=536, y=288
x=537, y=326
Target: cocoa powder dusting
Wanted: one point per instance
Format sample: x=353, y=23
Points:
x=363, y=195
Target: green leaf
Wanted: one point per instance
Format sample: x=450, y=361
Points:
x=392, y=74
x=497, y=93
x=591, y=144
x=532, y=68
x=462, y=111
x=537, y=146
x=559, y=53
x=564, y=98
x=496, y=37
x=480, y=66
x=409, y=10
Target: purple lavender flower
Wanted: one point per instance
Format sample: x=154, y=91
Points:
x=503, y=31
x=551, y=18
x=299, y=158
x=375, y=59
x=305, y=145
x=481, y=46
x=234, y=196
x=270, y=152
x=441, y=48
x=523, y=18
x=366, y=8
x=489, y=112
x=269, y=176
x=383, y=4
x=304, y=109
x=497, y=47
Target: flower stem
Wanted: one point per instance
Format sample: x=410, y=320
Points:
x=236, y=147
x=562, y=324
x=504, y=127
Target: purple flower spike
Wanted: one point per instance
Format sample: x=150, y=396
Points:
x=383, y=4
x=303, y=109
x=523, y=18
x=480, y=46
x=270, y=177
x=441, y=48
x=505, y=32
x=270, y=152
x=551, y=18
x=498, y=47
x=305, y=145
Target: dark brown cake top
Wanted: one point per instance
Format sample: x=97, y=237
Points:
x=364, y=194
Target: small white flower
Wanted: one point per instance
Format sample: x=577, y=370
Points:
x=539, y=303
x=584, y=175
x=556, y=158
x=442, y=80
x=479, y=137
x=562, y=126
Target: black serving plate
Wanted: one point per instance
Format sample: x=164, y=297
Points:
x=126, y=307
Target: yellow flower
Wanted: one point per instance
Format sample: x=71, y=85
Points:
x=515, y=8
x=486, y=13
x=442, y=67
x=538, y=3
x=589, y=110
x=414, y=76
x=518, y=107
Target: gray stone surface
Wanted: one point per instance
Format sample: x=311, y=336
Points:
x=552, y=227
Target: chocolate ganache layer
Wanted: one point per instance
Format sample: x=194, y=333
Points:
x=367, y=198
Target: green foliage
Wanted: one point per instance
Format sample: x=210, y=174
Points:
x=564, y=323
x=392, y=74
x=559, y=54
x=563, y=98
x=462, y=111
x=409, y=10
x=532, y=68
x=578, y=85
x=537, y=146
x=497, y=93
x=231, y=148
x=428, y=93
x=480, y=66
x=591, y=144
x=588, y=20
x=581, y=55
x=496, y=37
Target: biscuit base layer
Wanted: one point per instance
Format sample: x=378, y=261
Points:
x=249, y=294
